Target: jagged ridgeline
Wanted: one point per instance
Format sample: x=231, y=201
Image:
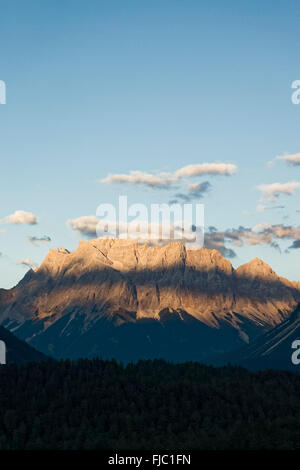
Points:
x=120, y=299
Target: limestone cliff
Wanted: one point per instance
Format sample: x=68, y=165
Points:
x=117, y=282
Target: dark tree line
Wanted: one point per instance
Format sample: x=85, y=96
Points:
x=95, y=404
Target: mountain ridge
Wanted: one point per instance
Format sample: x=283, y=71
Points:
x=113, y=283
x=18, y=351
x=271, y=350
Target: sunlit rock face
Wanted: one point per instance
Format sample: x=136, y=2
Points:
x=117, y=297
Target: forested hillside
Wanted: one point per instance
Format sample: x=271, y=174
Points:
x=90, y=404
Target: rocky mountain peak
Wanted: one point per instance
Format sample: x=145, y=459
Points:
x=126, y=255
x=116, y=282
x=256, y=268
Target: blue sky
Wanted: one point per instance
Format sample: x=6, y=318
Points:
x=108, y=87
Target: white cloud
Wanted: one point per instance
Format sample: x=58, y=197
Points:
x=200, y=169
x=19, y=217
x=162, y=180
x=271, y=192
x=167, y=180
x=37, y=240
x=260, y=234
x=86, y=225
x=153, y=233
x=157, y=234
x=199, y=188
x=27, y=262
x=291, y=159
x=263, y=208
x=195, y=191
x=214, y=240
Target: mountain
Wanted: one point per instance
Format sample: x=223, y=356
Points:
x=19, y=351
x=271, y=350
x=117, y=298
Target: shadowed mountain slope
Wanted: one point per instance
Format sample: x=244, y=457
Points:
x=117, y=298
x=271, y=350
x=19, y=351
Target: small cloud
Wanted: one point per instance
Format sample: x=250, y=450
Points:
x=85, y=225
x=276, y=246
x=169, y=180
x=19, y=217
x=200, y=169
x=162, y=180
x=195, y=191
x=261, y=234
x=180, y=197
x=28, y=262
x=214, y=240
x=263, y=208
x=295, y=245
x=292, y=159
x=37, y=240
x=271, y=192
